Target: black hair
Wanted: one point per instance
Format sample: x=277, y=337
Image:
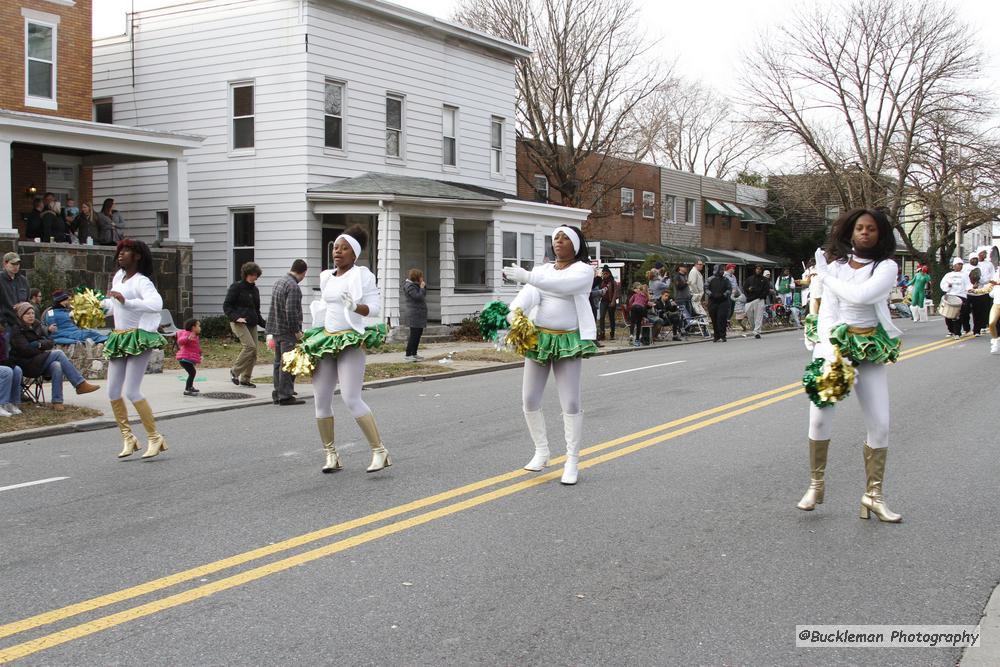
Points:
x=190, y=322
x=33, y=292
x=839, y=246
x=299, y=266
x=106, y=206
x=145, y=263
x=358, y=233
x=583, y=254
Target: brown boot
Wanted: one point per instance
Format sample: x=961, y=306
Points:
x=85, y=387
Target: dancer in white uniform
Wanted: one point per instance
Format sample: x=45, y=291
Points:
x=136, y=306
x=349, y=294
x=555, y=299
x=854, y=276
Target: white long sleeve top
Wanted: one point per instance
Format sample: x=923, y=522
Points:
x=360, y=283
x=987, y=270
x=956, y=283
x=559, y=298
x=696, y=282
x=856, y=297
x=142, y=306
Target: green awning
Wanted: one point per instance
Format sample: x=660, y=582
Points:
x=638, y=252
x=768, y=220
x=713, y=207
x=711, y=256
x=752, y=215
x=737, y=211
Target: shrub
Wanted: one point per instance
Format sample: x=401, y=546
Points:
x=215, y=326
x=468, y=329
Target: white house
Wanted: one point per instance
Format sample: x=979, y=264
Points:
x=319, y=114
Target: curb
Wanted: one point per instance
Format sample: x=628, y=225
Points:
x=98, y=423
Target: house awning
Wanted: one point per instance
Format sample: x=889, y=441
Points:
x=751, y=215
x=750, y=259
x=737, y=211
x=767, y=219
x=637, y=252
x=375, y=186
x=712, y=256
x=713, y=207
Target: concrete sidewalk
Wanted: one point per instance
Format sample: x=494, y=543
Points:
x=165, y=391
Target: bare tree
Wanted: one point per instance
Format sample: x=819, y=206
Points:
x=858, y=86
x=688, y=127
x=579, y=92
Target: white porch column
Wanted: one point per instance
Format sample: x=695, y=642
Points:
x=6, y=199
x=388, y=265
x=446, y=254
x=494, y=255
x=179, y=230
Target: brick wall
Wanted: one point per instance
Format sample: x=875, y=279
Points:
x=74, y=83
x=51, y=266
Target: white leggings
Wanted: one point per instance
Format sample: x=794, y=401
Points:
x=872, y=389
x=567, y=372
x=127, y=373
x=348, y=367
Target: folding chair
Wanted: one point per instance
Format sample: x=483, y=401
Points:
x=698, y=324
x=167, y=328
x=33, y=389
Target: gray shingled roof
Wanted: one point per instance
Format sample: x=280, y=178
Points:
x=373, y=183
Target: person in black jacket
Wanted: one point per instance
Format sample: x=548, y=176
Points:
x=667, y=312
x=719, y=290
x=14, y=289
x=33, y=222
x=415, y=291
x=33, y=351
x=242, y=307
x=755, y=289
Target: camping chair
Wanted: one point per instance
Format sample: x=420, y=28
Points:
x=693, y=324
x=33, y=389
x=167, y=328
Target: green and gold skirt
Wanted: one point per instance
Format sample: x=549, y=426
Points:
x=871, y=345
x=317, y=343
x=131, y=342
x=811, y=324
x=554, y=345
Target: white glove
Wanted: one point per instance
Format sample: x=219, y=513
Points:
x=516, y=273
x=809, y=344
x=349, y=302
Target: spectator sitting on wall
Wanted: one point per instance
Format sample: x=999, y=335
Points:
x=65, y=331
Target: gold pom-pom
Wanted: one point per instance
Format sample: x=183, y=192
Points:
x=297, y=362
x=836, y=380
x=522, y=335
x=86, y=310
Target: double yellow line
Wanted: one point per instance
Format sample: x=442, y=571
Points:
x=646, y=438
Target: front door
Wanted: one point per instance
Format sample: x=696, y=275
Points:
x=335, y=224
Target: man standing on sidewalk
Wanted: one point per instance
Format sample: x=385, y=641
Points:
x=755, y=289
x=284, y=329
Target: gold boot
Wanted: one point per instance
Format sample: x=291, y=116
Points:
x=156, y=443
x=872, y=501
x=120, y=411
x=325, y=426
x=817, y=469
x=380, y=456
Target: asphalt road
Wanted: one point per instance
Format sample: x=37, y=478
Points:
x=681, y=545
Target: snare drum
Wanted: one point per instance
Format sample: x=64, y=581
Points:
x=950, y=307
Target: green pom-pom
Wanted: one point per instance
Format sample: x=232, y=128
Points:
x=493, y=318
x=809, y=380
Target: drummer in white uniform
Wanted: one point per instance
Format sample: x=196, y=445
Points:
x=954, y=287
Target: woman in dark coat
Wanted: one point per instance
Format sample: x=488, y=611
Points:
x=242, y=307
x=415, y=290
x=32, y=350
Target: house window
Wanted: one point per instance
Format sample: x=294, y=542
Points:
x=668, y=208
x=550, y=254
x=40, y=64
x=394, y=126
x=541, y=184
x=333, y=115
x=243, y=115
x=689, y=211
x=744, y=225
x=449, y=134
x=832, y=213
x=496, y=146
x=521, y=253
x=162, y=225
x=470, y=258
x=649, y=205
x=243, y=233
x=628, y=201
x=103, y=111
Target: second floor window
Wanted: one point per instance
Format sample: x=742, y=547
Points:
x=394, y=126
x=649, y=205
x=628, y=201
x=333, y=109
x=40, y=65
x=496, y=145
x=449, y=137
x=541, y=185
x=668, y=207
x=103, y=111
x=689, y=211
x=243, y=116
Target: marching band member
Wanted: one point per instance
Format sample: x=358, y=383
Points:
x=555, y=299
x=856, y=274
x=955, y=283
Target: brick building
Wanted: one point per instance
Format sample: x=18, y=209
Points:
x=48, y=126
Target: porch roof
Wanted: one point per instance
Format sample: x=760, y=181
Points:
x=393, y=187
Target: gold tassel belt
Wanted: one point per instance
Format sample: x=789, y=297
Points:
x=336, y=333
x=861, y=331
x=124, y=331
x=556, y=332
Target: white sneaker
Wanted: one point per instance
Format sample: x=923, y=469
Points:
x=995, y=346
x=11, y=408
x=4, y=413
x=409, y=358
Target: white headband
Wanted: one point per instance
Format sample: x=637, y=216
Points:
x=571, y=235
x=351, y=241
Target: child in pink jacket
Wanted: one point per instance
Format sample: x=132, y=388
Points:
x=189, y=352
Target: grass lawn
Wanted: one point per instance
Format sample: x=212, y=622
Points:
x=36, y=416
